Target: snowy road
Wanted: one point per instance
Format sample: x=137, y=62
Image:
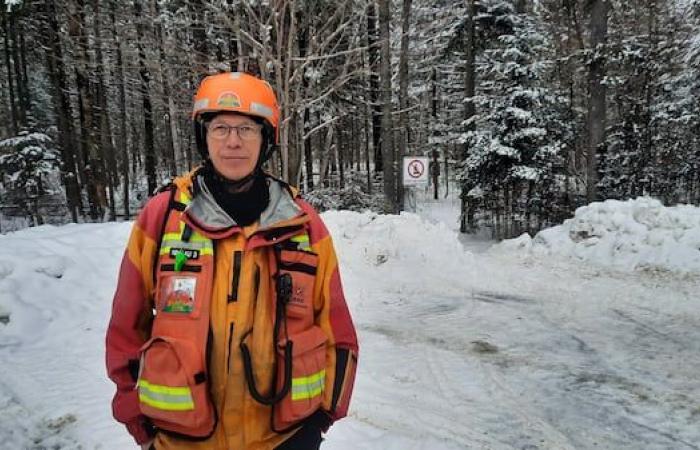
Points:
x=459, y=350
x=595, y=365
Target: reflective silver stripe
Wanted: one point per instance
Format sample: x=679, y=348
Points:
x=261, y=109
x=201, y=104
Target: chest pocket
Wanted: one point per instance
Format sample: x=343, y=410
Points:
x=299, y=269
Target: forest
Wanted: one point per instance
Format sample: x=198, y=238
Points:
x=528, y=109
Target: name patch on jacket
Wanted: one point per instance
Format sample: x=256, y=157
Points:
x=189, y=253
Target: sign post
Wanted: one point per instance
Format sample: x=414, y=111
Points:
x=415, y=174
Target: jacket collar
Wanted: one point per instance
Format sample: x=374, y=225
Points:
x=204, y=213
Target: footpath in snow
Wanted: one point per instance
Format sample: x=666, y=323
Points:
x=585, y=337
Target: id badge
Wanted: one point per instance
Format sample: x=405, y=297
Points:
x=177, y=295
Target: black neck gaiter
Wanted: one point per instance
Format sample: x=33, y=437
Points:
x=243, y=203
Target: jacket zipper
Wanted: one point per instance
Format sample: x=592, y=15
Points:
x=230, y=339
x=235, y=278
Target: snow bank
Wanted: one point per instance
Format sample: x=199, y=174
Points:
x=405, y=249
x=624, y=235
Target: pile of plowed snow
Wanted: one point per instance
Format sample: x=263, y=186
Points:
x=624, y=235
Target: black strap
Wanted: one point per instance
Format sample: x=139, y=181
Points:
x=156, y=256
x=282, y=292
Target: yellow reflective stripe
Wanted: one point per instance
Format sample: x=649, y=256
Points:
x=162, y=389
x=185, y=198
x=196, y=242
x=308, y=387
x=166, y=398
x=164, y=405
x=303, y=241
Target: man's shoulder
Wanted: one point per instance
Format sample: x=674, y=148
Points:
x=152, y=214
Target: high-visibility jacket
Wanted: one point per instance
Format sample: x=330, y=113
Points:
x=241, y=310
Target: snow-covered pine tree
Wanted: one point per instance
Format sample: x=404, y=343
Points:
x=516, y=153
x=652, y=124
x=29, y=164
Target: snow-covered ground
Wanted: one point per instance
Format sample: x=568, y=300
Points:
x=518, y=347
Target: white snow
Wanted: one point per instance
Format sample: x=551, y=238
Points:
x=638, y=234
x=507, y=349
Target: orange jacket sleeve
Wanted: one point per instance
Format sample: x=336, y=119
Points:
x=130, y=323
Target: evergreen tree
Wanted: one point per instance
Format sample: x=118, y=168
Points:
x=516, y=156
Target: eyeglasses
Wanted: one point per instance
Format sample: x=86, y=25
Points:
x=246, y=132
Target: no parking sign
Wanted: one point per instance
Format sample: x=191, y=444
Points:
x=415, y=171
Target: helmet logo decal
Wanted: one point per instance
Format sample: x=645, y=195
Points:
x=229, y=100
x=201, y=104
x=259, y=108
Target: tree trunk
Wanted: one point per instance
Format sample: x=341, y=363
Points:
x=342, y=149
x=123, y=144
x=88, y=124
x=374, y=55
x=106, y=148
x=22, y=100
x=199, y=36
x=598, y=28
x=145, y=75
x=387, y=126
x=308, y=155
x=10, y=78
x=466, y=222
x=368, y=152
x=403, y=96
x=61, y=103
x=435, y=173
x=23, y=76
x=447, y=173
x=171, y=143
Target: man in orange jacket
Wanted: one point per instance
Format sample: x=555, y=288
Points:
x=229, y=327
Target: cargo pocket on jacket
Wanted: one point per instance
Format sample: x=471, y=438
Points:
x=171, y=391
x=308, y=378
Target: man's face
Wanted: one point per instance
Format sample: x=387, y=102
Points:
x=234, y=157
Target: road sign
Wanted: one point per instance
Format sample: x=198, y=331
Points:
x=415, y=171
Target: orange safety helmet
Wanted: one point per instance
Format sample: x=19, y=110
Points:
x=241, y=93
